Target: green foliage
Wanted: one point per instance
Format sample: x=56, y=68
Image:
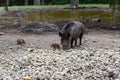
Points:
x=94, y=1
x=56, y=2
x=18, y=2
x=118, y=5
x=59, y=2
x=2, y=2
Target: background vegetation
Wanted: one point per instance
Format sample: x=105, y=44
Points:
x=54, y=2
x=113, y=4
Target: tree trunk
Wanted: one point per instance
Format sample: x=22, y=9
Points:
x=43, y=2
x=26, y=2
x=110, y=3
x=114, y=11
x=36, y=2
x=6, y=6
x=74, y=3
x=118, y=5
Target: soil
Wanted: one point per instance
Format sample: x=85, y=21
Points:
x=94, y=39
x=34, y=60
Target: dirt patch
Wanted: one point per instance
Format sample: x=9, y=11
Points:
x=46, y=32
x=99, y=53
x=95, y=39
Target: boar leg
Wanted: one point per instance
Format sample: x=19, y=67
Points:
x=80, y=39
x=72, y=43
x=75, y=42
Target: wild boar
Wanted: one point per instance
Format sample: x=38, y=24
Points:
x=70, y=33
x=55, y=46
x=20, y=41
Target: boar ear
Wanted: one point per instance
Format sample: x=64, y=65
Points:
x=60, y=34
x=68, y=34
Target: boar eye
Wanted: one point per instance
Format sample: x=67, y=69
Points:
x=68, y=34
x=60, y=34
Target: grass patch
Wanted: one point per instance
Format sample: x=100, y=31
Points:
x=8, y=17
x=6, y=23
x=60, y=15
x=94, y=5
x=48, y=6
x=11, y=8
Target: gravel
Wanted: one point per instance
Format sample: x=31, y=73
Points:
x=97, y=59
x=73, y=64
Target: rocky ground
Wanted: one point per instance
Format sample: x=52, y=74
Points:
x=98, y=58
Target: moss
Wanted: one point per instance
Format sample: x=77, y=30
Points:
x=7, y=23
x=8, y=17
x=59, y=15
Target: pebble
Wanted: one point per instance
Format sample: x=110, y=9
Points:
x=73, y=64
x=27, y=78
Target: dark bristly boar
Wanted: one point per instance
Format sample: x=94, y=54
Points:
x=70, y=33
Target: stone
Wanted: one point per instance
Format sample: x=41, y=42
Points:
x=27, y=78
